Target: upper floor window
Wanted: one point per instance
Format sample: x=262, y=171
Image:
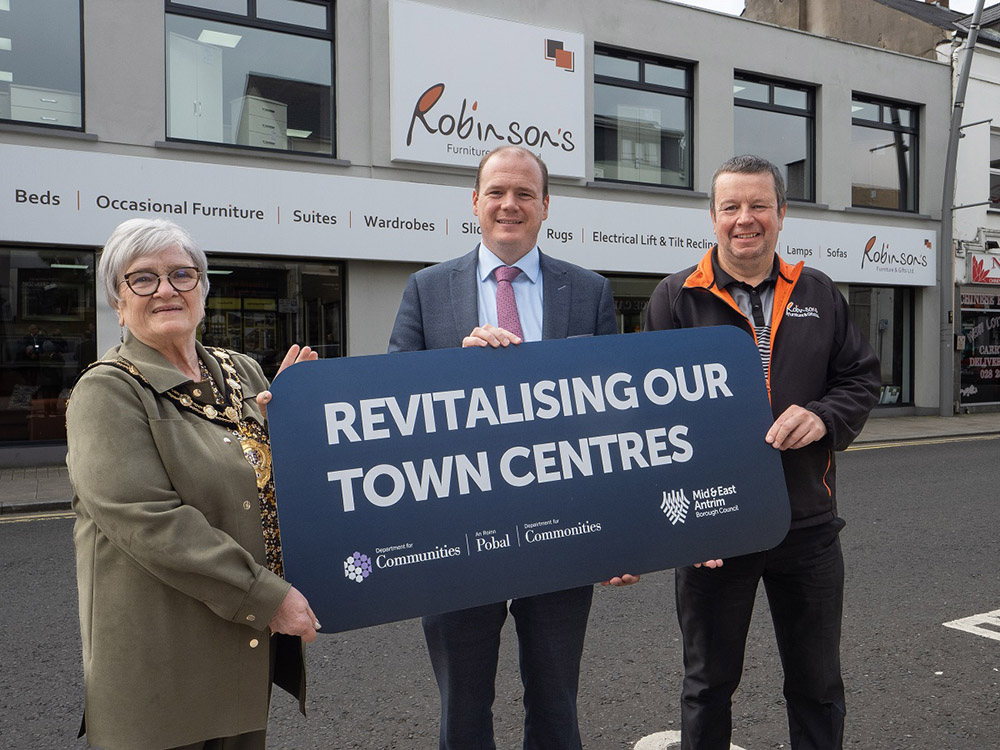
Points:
x=256, y=74
x=41, y=74
x=776, y=120
x=642, y=119
x=883, y=154
x=994, y=170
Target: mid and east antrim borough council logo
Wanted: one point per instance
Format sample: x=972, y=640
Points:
x=357, y=567
x=675, y=506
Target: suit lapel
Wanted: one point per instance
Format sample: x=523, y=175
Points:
x=464, y=296
x=557, y=292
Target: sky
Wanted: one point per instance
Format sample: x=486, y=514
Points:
x=735, y=7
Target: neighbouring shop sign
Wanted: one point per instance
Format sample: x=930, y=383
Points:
x=980, y=369
x=59, y=196
x=984, y=268
x=425, y=482
x=457, y=88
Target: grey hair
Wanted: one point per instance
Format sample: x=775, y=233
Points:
x=750, y=164
x=140, y=238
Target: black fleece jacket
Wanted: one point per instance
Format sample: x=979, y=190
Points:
x=819, y=360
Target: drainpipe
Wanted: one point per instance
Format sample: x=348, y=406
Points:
x=946, y=251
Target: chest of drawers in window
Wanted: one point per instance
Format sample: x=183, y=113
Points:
x=45, y=106
x=260, y=122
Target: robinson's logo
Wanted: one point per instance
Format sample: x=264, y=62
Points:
x=885, y=258
x=466, y=124
x=794, y=311
x=357, y=567
x=675, y=506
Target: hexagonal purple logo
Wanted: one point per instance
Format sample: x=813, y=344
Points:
x=357, y=567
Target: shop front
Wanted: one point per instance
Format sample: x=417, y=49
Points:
x=48, y=324
x=979, y=378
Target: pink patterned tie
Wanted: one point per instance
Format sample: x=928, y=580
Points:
x=506, y=304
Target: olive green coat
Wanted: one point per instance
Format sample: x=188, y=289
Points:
x=174, y=599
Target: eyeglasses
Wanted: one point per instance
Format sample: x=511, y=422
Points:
x=145, y=283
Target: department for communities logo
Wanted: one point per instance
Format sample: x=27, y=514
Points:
x=675, y=506
x=794, y=311
x=563, y=58
x=357, y=567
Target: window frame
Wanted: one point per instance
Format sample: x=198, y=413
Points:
x=913, y=130
x=994, y=171
x=688, y=67
x=809, y=114
x=250, y=20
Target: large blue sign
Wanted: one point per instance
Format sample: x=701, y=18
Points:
x=424, y=482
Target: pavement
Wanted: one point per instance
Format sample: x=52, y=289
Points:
x=37, y=489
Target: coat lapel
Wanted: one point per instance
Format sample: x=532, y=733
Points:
x=464, y=297
x=557, y=292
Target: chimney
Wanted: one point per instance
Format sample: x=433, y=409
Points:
x=942, y=3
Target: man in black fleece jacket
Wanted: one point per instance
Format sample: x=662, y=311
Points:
x=823, y=380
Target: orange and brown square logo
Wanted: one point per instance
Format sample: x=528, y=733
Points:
x=563, y=58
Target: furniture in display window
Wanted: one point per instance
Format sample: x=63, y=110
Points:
x=45, y=106
x=260, y=122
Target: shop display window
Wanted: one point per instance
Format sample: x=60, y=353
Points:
x=642, y=119
x=631, y=295
x=257, y=76
x=980, y=367
x=885, y=317
x=47, y=336
x=776, y=120
x=883, y=154
x=41, y=70
x=262, y=307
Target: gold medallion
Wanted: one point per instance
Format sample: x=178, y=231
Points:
x=210, y=412
x=258, y=455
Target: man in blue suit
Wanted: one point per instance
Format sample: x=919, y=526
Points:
x=467, y=302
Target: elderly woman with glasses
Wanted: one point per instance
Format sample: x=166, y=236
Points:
x=185, y=615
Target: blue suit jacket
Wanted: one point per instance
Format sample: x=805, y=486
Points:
x=440, y=305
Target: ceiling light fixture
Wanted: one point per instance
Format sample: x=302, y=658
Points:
x=219, y=38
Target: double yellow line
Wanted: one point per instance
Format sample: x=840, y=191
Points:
x=925, y=441
x=26, y=517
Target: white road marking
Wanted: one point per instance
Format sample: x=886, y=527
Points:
x=986, y=624
x=665, y=741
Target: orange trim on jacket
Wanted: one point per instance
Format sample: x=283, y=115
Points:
x=703, y=277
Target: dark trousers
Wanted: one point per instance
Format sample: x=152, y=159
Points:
x=464, y=646
x=804, y=580
x=247, y=741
